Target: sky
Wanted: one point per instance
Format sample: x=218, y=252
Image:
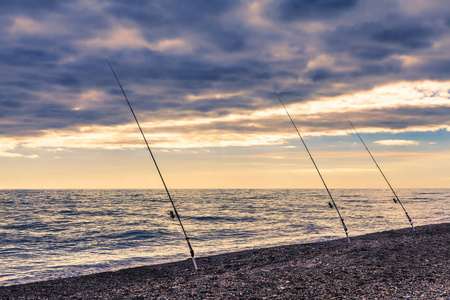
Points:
x=202, y=76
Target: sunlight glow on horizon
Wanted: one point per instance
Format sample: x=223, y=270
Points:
x=172, y=137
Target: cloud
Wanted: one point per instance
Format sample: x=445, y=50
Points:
x=11, y=155
x=175, y=19
x=427, y=96
x=28, y=7
x=123, y=137
x=245, y=126
x=119, y=38
x=131, y=38
x=379, y=40
x=397, y=143
x=289, y=10
x=212, y=96
x=7, y=145
x=204, y=72
x=26, y=25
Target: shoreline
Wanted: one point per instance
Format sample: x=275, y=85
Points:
x=390, y=264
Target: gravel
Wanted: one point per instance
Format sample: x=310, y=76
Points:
x=398, y=264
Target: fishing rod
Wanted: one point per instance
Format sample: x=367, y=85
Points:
x=396, y=199
x=333, y=204
x=157, y=168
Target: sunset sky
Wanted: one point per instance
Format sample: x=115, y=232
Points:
x=202, y=77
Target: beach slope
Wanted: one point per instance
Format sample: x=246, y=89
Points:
x=387, y=265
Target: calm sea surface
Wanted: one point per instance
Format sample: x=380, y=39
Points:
x=46, y=234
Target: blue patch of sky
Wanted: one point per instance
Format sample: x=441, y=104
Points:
x=437, y=139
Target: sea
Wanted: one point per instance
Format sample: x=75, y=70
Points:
x=49, y=234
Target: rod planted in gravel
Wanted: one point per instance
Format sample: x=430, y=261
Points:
x=396, y=199
x=157, y=168
x=333, y=205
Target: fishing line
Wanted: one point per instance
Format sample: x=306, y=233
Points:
x=396, y=199
x=333, y=205
x=157, y=168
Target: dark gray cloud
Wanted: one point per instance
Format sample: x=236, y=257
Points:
x=171, y=12
x=385, y=68
x=26, y=7
x=435, y=68
x=289, y=10
x=209, y=105
x=402, y=118
x=172, y=18
x=375, y=41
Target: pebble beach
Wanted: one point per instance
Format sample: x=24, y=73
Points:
x=397, y=264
